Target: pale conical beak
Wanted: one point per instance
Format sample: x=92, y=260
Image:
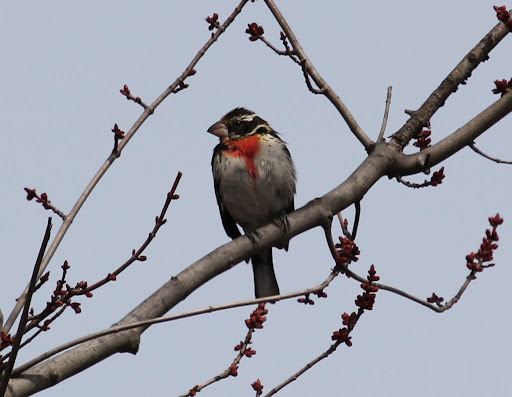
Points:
x=218, y=129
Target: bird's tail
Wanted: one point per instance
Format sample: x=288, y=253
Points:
x=265, y=282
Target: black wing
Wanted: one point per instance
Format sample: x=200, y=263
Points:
x=227, y=220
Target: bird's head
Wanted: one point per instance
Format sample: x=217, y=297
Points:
x=239, y=123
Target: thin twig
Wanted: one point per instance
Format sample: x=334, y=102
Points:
x=26, y=308
x=136, y=256
x=435, y=180
x=439, y=309
x=412, y=185
x=308, y=366
x=316, y=91
x=44, y=201
x=41, y=329
x=290, y=54
x=192, y=313
x=343, y=223
x=255, y=321
x=330, y=242
x=344, y=227
x=386, y=113
x=495, y=159
x=364, y=302
x=357, y=216
x=113, y=156
x=317, y=78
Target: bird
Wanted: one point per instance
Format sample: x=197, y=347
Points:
x=255, y=183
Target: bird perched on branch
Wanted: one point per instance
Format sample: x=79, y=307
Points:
x=254, y=180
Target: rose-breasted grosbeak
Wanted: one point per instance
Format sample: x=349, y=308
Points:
x=254, y=181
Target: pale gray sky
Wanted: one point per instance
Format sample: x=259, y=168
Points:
x=62, y=67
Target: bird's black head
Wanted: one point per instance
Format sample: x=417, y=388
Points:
x=239, y=123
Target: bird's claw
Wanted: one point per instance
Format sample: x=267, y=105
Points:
x=252, y=235
x=282, y=219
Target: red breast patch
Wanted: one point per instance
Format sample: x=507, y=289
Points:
x=246, y=148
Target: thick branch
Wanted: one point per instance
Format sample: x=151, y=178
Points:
x=145, y=323
x=179, y=287
x=421, y=117
x=464, y=136
x=315, y=213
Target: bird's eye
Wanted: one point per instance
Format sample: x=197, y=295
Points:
x=238, y=122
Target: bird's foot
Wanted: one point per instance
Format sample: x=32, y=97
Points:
x=252, y=235
x=282, y=220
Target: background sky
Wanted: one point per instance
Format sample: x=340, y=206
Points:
x=63, y=64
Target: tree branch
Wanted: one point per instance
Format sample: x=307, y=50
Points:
x=464, y=136
x=322, y=85
x=192, y=313
x=386, y=114
x=148, y=111
x=24, y=317
x=495, y=159
x=421, y=117
x=383, y=159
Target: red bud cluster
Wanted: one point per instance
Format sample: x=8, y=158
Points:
x=435, y=299
x=367, y=299
x=193, y=391
x=255, y=31
x=182, y=85
x=233, y=370
x=342, y=336
x=475, y=261
x=349, y=320
x=213, y=21
x=257, y=387
x=43, y=199
x=364, y=302
x=126, y=92
x=5, y=340
x=248, y=352
x=347, y=251
x=118, y=134
x=422, y=140
x=437, y=177
x=502, y=86
x=503, y=15
x=306, y=300
x=63, y=292
x=257, y=317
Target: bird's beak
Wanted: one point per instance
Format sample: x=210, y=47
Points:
x=218, y=129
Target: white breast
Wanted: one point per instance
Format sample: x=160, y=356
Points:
x=252, y=202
